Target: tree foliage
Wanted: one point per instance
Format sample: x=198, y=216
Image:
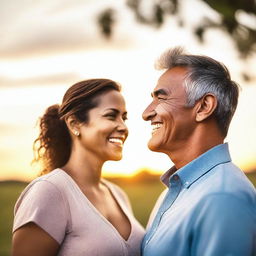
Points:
x=244, y=35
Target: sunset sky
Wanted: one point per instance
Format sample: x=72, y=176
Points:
x=46, y=46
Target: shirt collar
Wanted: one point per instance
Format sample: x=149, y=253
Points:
x=191, y=172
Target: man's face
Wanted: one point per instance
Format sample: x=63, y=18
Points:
x=172, y=122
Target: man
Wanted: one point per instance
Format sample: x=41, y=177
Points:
x=209, y=206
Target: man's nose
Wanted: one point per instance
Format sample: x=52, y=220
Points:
x=149, y=112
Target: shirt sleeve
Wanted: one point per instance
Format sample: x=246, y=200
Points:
x=225, y=225
x=42, y=203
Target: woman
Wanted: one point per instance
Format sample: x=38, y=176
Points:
x=71, y=210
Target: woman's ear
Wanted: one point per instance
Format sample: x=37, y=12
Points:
x=205, y=107
x=73, y=125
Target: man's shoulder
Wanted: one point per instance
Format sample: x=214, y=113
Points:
x=228, y=179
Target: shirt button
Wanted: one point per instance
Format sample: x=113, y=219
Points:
x=175, y=177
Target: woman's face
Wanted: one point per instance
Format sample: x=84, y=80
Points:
x=105, y=132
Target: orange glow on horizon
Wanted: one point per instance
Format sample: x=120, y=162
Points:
x=249, y=166
x=134, y=173
x=32, y=174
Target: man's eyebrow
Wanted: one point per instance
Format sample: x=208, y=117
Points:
x=159, y=92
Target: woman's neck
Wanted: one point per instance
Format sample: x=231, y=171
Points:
x=85, y=169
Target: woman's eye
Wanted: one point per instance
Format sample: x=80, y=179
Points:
x=114, y=116
x=111, y=116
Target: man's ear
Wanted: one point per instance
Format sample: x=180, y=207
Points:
x=205, y=107
x=73, y=125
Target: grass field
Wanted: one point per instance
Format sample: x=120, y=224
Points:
x=9, y=192
x=142, y=191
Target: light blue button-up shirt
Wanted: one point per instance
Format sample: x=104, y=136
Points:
x=209, y=209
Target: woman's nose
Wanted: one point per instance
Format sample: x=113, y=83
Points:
x=122, y=126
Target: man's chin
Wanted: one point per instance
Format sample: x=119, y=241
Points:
x=154, y=147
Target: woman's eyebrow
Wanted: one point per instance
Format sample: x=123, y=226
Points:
x=113, y=109
x=116, y=111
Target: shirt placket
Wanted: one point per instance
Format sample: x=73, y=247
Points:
x=173, y=192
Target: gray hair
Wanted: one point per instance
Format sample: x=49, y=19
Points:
x=205, y=75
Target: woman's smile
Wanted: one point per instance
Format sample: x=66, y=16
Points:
x=118, y=141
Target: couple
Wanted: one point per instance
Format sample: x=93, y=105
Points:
x=208, y=208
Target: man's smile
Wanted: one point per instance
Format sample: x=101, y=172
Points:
x=156, y=126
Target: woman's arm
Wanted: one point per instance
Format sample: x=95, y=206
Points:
x=30, y=240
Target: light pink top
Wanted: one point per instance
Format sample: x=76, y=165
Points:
x=56, y=204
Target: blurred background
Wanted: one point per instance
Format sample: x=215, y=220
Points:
x=48, y=45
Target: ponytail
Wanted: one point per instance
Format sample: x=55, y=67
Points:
x=53, y=145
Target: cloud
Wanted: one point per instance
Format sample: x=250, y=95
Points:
x=45, y=27
x=9, y=129
x=46, y=80
x=6, y=154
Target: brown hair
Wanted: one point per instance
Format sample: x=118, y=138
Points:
x=53, y=146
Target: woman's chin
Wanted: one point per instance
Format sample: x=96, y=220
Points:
x=116, y=157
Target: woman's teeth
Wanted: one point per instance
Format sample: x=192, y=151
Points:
x=116, y=140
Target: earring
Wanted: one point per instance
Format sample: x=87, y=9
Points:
x=77, y=133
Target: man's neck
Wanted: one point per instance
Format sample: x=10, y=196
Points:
x=195, y=147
